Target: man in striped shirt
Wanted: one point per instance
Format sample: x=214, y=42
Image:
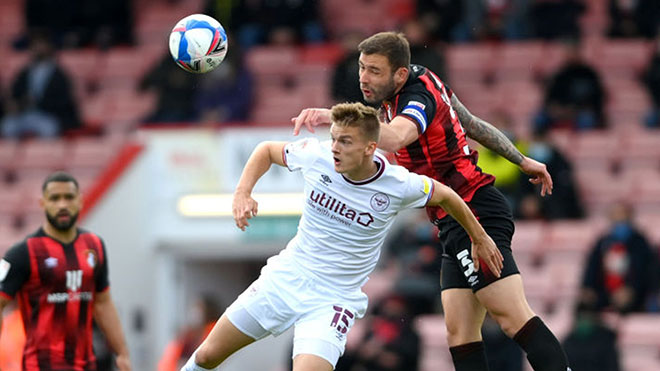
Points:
x=59, y=275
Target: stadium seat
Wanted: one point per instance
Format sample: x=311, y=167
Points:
x=8, y=149
x=640, y=330
x=40, y=154
x=434, y=348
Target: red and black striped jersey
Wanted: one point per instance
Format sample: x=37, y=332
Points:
x=441, y=151
x=55, y=285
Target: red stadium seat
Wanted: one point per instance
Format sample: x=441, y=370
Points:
x=41, y=154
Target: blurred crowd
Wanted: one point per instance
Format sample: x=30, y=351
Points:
x=622, y=269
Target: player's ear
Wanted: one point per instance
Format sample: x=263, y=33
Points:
x=400, y=75
x=371, y=148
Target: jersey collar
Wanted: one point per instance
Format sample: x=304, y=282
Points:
x=380, y=163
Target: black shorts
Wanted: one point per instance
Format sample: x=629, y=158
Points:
x=493, y=212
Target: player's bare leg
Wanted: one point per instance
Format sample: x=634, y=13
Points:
x=464, y=316
x=505, y=301
x=310, y=362
x=224, y=340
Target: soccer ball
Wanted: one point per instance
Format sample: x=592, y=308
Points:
x=198, y=43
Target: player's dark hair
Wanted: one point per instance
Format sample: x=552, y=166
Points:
x=59, y=176
x=392, y=45
x=357, y=115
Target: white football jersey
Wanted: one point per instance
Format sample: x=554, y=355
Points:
x=344, y=223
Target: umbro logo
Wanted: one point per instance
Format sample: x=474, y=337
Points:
x=325, y=179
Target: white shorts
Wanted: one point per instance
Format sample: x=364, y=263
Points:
x=283, y=296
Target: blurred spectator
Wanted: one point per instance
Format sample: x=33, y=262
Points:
x=556, y=19
x=225, y=94
x=280, y=22
x=391, y=343
x=619, y=268
x=634, y=18
x=105, y=23
x=412, y=249
x=502, y=352
x=80, y=23
x=591, y=345
x=422, y=49
x=41, y=102
x=345, y=82
x=507, y=174
x=440, y=17
x=175, y=89
x=201, y=318
x=12, y=339
x=564, y=203
x=574, y=97
x=652, y=81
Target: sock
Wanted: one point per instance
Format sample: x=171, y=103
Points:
x=542, y=347
x=469, y=357
x=192, y=366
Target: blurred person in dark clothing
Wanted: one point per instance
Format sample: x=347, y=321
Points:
x=345, y=85
x=77, y=23
x=619, y=267
x=41, y=102
x=574, y=97
x=652, y=81
x=175, y=89
x=390, y=343
x=422, y=49
x=225, y=94
x=440, y=17
x=564, y=203
x=502, y=352
x=281, y=22
x=556, y=19
x=634, y=18
x=201, y=318
x=591, y=345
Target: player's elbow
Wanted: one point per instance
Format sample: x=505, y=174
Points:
x=391, y=143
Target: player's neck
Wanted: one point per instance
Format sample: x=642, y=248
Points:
x=62, y=236
x=369, y=169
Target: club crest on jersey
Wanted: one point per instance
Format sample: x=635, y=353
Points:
x=51, y=262
x=91, y=258
x=380, y=201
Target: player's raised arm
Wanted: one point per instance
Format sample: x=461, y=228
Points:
x=483, y=247
x=244, y=206
x=310, y=117
x=490, y=137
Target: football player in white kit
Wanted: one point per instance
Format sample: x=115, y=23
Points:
x=352, y=195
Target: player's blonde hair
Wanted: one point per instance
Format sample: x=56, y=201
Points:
x=394, y=46
x=357, y=115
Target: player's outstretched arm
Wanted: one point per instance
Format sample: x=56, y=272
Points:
x=106, y=317
x=483, y=247
x=310, y=117
x=493, y=139
x=244, y=206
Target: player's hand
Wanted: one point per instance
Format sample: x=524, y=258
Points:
x=311, y=117
x=539, y=174
x=486, y=251
x=123, y=363
x=244, y=207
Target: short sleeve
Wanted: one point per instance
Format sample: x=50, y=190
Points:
x=301, y=154
x=418, y=191
x=14, y=270
x=418, y=107
x=101, y=278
